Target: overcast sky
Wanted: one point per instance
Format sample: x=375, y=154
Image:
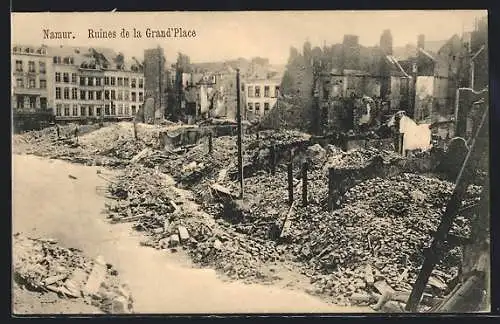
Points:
x=229, y=35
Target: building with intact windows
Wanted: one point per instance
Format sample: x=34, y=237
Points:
x=94, y=83
x=261, y=96
x=30, y=73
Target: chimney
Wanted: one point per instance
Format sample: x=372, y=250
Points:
x=421, y=41
x=386, y=42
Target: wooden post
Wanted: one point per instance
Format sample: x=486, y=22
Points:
x=401, y=143
x=210, y=143
x=238, y=116
x=290, y=183
x=304, y=183
x=272, y=156
x=331, y=188
x=135, y=129
x=101, y=120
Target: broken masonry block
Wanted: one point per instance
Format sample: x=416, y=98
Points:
x=360, y=298
x=96, y=277
x=370, y=280
x=174, y=240
x=120, y=305
x=183, y=233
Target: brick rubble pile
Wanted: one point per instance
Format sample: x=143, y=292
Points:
x=44, y=265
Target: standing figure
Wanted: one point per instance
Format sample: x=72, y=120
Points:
x=76, y=133
x=58, y=131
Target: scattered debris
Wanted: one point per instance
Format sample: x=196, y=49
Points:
x=43, y=265
x=367, y=251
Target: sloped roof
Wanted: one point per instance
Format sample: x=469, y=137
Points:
x=426, y=53
x=475, y=55
x=411, y=50
x=395, y=64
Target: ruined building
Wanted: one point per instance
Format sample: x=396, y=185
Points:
x=435, y=78
x=351, y=52
x=155, y=85
x=479, y=55
x=385, y=65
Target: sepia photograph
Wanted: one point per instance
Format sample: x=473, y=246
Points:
x=250, y=162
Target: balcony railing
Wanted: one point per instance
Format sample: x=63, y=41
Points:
x=29, y=91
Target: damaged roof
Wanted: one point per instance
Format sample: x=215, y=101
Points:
x=106, y=57
x=396, y=65
x=426, y=53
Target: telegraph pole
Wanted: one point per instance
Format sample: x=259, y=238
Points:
x=316, y=114
x=239, y=143
x=159, y=84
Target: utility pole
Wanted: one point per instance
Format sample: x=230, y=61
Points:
x=316, y=115
x=413, y=91
x=239, y=143
x=159, y=84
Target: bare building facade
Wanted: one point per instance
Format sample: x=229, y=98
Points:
x=156, y=82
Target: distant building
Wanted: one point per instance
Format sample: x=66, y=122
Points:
x=351, y=53
x=30, y=75
x=90, y=83
x=225, y=85
x=435, y=78
x=260, y=96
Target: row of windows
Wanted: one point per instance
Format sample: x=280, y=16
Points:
x=66, y=77
x=31, y=83
x=68, y=110
x=257, y=106
x=64, y=93
x=99, y=81
x=255, y=91
x=31, y=66
x=65, y=60
x=29, y=102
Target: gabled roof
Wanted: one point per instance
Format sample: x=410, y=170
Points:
x=478, y=52
x=411, y=50
x=394, y=62
x=426, y=53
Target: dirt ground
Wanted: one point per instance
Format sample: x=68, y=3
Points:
x=47, y=202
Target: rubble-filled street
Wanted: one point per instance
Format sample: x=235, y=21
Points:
x=70, y=214
x=183, y=200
